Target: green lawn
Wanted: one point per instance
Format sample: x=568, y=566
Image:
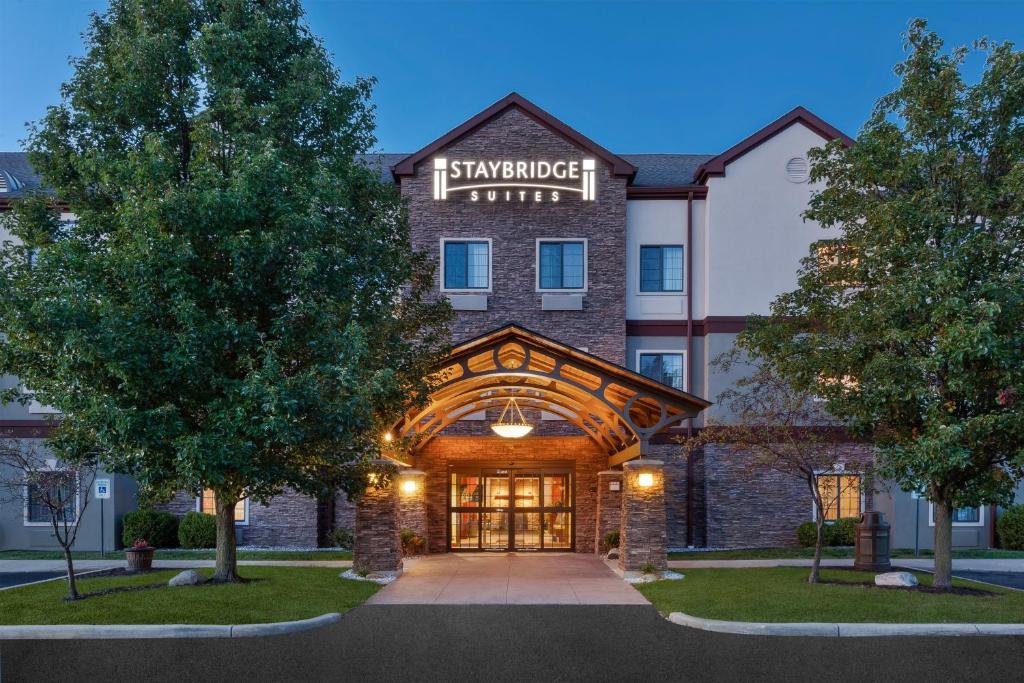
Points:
x=782, y=594
x=275, y=594
x=177, y=554
x=844, y=552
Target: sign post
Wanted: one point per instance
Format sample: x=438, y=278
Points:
x=916, y=495
x=102, y=493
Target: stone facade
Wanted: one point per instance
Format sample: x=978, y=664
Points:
x=753, y=507
x=444, y=451
x=514, y=228
x=643, y=540
x=377, y=546
x=609, y=504
x=412, y=504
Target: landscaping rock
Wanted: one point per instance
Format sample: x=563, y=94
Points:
x=899, y=579
x=189, y=577
x=613, y=554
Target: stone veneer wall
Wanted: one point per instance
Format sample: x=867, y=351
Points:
x=288, y=519
x=677, y=494
x=443, y=451
x=514, y=228
x=757, y=507
x=643, y=540
x=609, y=505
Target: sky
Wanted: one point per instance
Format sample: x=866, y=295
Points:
x=634, y=76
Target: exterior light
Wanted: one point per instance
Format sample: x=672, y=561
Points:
x=511, y=424
x=409, y=486
x=646, y=479
x=388, y=437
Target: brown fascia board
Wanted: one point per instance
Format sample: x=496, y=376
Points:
x=662, y=192
x=716, y=166
x=620, y=166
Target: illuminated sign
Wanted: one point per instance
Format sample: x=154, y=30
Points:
x=514, y=181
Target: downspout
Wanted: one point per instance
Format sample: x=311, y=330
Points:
x=690, y=488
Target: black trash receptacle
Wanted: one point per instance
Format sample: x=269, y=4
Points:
x=872, y=543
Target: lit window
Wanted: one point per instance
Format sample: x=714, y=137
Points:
x=966, y=515
x=661, y=269
x=666, y=368
x=61, y=495
x=840, y=495
x=208, y=504
x=562, y=265
x=467, y=265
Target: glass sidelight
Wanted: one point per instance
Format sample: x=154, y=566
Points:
x=511, y=508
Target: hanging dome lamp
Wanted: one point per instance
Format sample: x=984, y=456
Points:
x=512, y=424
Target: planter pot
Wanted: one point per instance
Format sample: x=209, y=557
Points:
x=139, y=559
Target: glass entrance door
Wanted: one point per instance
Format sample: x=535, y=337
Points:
x=514, y=508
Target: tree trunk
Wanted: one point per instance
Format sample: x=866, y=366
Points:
x=226, y=570
x=72, y=584
x=816, y=562
x=943, y=577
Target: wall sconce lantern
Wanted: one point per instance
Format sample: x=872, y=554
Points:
x=409, y=486
x=388, y=437
x=645, y=479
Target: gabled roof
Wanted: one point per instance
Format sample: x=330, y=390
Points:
x=716, y=166
x=619, y=165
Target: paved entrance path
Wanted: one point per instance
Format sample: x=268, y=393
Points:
x=508, y=579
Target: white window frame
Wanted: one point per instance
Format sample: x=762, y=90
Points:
x=490, y=266
x=245, y=501
x=979, y=523
x=639, y=252
x=839, y=471
x=78, y=499
x=586, y=265
x=675, y=352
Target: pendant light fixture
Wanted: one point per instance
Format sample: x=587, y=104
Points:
x=511, y=424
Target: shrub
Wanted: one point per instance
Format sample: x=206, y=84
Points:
x=807, y=534
x=609, y=540
x=843, y=531
x=341, y=537
x=1011, y=527
x=198, y=530
x=159, y=528
x=412, y=543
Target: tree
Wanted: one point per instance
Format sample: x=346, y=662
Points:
x=908, y=322
x=236, y=304
x=782, y=429
x=54, y=487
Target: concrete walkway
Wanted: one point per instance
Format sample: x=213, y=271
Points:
x=508, y=579
x=925, y=564
x=13, y=566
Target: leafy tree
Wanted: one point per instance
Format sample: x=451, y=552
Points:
x=55, y=483
x=780, y=429
x=236, y=304
x=909, y=323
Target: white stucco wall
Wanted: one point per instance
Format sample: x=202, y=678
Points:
x=755, y=234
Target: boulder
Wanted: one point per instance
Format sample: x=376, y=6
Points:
x=900, y=579
x=189, y=577
x=613, y=554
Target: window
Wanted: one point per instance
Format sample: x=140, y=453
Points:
x=207, y=503
x=36, y=509
x=666, y=368
x=561, y=264
x=661, y=269
x=840, y=495
x=466, y=264
x=968, y=516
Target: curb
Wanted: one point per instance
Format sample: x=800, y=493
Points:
x=68, y=631
x=825, y=630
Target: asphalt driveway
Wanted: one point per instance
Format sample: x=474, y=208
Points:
x=9, y=579
x=513, y=643
x=1007, y=579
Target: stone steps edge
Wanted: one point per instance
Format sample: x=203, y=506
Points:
x=841, y=630
x=116, y=631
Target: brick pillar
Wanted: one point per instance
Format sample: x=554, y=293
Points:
x=643, y=535
x=377, y=547
x=609, y=504
x=412, y=502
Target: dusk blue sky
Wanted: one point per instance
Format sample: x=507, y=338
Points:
x=635, y=77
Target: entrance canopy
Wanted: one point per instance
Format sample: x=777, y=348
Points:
x=617, y=408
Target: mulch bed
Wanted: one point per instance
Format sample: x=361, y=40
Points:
x=955, y=590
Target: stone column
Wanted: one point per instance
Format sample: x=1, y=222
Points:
x=377, y=547
x=412, y=502
x=609, y=504
x=643, y=534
